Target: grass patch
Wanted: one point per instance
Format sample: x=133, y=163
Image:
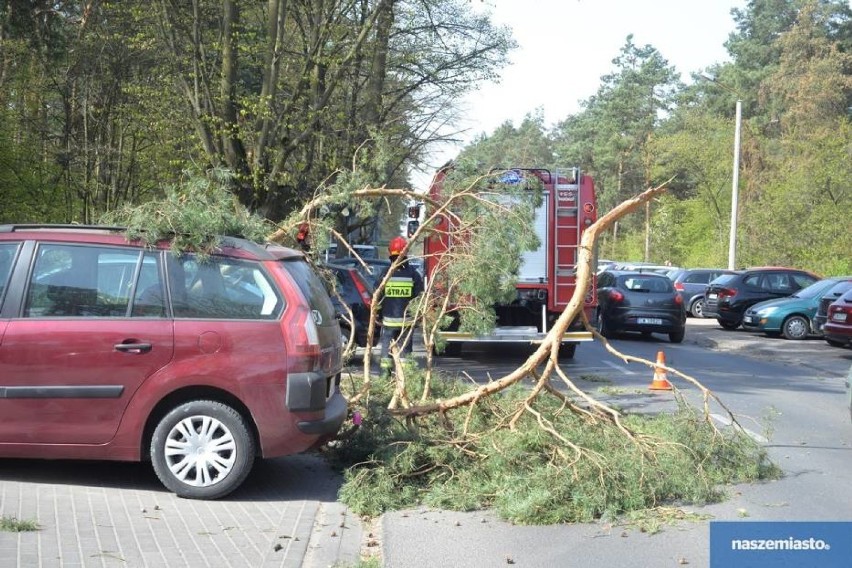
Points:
x=595, y=379
x=619, y=391
x=527, y=475
x=11, y=524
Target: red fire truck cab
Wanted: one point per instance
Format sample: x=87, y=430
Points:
x=547, y=277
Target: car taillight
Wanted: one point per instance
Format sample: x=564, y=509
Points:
x=678, y=300
x=679, y=286
x=727, y=292
x=362, y=288
x=304, y=341
x=616, y=296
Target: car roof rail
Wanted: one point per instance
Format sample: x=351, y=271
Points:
x=12, y=228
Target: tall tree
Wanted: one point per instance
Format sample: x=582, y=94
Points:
x=613, y=130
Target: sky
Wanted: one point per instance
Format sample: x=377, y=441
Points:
x=566, y=46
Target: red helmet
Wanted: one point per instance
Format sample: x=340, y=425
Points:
x=396, y=246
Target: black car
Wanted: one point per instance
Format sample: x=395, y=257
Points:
x=645, y=302
x=691, y=283
x=357, y=293
x=373, y=269
x=729, y=296
x=833, y=294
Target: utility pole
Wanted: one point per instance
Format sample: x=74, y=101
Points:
x=735, y=184
x=735, y=191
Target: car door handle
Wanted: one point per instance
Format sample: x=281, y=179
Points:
x=133, y=347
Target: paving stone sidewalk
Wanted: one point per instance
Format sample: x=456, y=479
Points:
x=103, y=514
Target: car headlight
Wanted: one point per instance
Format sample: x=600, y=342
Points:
x=763, y=312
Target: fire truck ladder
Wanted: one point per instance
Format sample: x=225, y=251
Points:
x=567, y=234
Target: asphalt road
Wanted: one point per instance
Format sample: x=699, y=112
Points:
x=791, y=394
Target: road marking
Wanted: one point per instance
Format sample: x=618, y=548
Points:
x=618, y=368
x=727, y=422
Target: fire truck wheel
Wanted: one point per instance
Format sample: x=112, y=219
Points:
x=453, y=349
x=567, y=350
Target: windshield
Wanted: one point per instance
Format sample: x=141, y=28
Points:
x=815, y=290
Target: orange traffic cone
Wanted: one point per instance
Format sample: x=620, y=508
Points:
x=660, y=382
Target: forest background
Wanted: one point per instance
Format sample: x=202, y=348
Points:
x=107, y=104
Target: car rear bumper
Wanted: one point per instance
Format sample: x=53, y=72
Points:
x=314, y=392
x=654, y=322
x=335, y=413
x=836, y=332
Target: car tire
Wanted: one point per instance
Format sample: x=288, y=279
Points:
x=344, y=336
x=795, y=327
x=697, y=308
x=202, y=430
x=677, y=336
x=729, y=325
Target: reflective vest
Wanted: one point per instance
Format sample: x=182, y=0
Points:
x=401, y=287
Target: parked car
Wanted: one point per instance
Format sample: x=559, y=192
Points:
x=837, y=330
x=374, y=267
x=355, y=292
x=691, y=283
x=827, y=299
x=644, y=302
x=792, y=316
x=730, y=295
x=644, y=267
x=364, y=251
x=115, y=350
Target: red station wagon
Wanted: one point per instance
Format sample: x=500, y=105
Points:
x=113, y=350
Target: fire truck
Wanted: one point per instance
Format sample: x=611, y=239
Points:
x=547, y=277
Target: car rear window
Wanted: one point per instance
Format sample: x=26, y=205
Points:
x=311, y=287
x=647, y=284
x=838, y=289
x=725, y=279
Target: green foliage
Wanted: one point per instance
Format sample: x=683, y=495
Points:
x=194, y=214
x=526, y=474
x=490, y=233
x=512, y=147
x=11, y=524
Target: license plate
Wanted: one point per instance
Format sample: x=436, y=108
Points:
x=748, y=319
x=712, y=296
x=649, y=321
x=840, y=316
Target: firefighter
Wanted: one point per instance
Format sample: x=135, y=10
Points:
x=404, y=285
x=303, y=237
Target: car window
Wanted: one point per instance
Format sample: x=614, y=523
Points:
x=150, y=299
x=727, y=279
x=7, y=255
x=698, y=278
x=801, y=280
x=221, y=288
x=81, y=281
x=838, y=289
x=754, y=280
x=644, y=284
x=816, y=289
